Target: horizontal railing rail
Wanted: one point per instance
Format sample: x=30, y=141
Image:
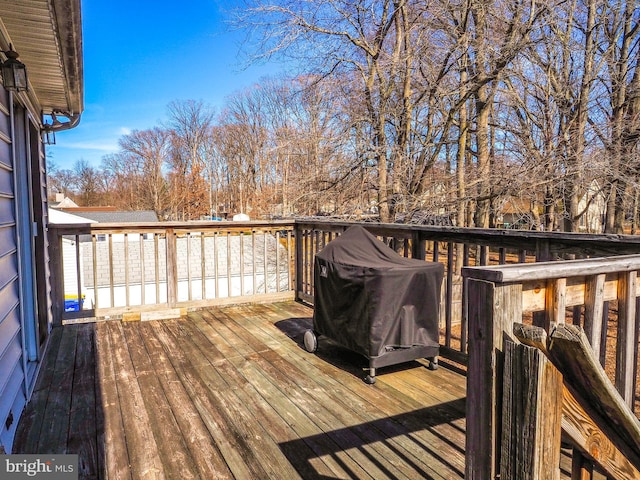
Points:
x=155, y=269
x=590, y=293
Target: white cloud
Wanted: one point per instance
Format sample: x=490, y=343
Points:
x=101, y=146
x=125, y=131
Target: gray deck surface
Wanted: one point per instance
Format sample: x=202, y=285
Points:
x=231, y=393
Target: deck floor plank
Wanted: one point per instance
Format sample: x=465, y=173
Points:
x=232, y=445
x=116, y=456
x=33, y=415
x=144, y=455
x=363, y=416
x=305, y=423
x=279, y=430
x=289, y=377
x=287, y=414
x=375, y=402
x=83, y=430
x=172, y=449
x=228, y=398
x=350, y=411
x=207, y=457
x=368, y=405
x=55, y=424
x=378, y=458
x=257, y=370
x=231, y=393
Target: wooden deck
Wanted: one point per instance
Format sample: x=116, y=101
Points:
x=231, y=393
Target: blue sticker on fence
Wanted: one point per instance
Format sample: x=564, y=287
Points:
x=49, y=467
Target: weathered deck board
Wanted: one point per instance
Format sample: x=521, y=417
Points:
x=369, y=435
x=33, y=415
x=144, y=455
x=231, y=393
x=116, y=456
x=235, y=420
x=83, y=434
x=248, y=367
x=172, y=449
x=231, y=443
x=207, y=457
x=55, y=422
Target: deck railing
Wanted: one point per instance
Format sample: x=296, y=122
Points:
x=457, y=248
x=155, y=269
x=580, y=290
x=100, y=268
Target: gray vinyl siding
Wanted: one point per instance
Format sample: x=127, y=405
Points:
x=7, y=214
x=41, y=217
x=8, y=275
x=12, y=375
x=6, y=182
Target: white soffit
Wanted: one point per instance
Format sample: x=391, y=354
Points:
x=47, y=34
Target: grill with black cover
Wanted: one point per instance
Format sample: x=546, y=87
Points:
x=375, y=302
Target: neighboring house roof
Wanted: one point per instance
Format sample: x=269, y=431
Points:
x=120, y=216
x=65, y=203
x=48, y=37
x=68, y=212
x=516, y=205
x=60, y=217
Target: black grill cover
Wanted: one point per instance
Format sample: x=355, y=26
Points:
x=372, y=300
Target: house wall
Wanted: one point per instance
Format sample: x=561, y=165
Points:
x=69, y=263
x=24, y=278
x=12, y=375
x=594, y=205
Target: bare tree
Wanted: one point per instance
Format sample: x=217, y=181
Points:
x=568, y=101
x=367, y=43
x=62, y=181
x=413, y=106
x=190, y=123
x=620, y=23
x=88, y=183
x=137, y=170
x=497, y=34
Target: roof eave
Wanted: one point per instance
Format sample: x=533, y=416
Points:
x=68, y=19
x=47, y=34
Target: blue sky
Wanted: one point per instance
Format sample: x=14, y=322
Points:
x=139, y=56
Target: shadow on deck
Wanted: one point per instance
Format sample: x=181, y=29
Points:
x=231, y=393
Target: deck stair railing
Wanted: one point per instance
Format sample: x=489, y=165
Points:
x=549, y=385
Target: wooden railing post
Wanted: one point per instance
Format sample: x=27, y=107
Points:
x=492, y=309
x=299, y=261
x=594, y=310
x=417, y=245
x=627, y=344
x=57, y=274
x=543, y=250
x=532, y=414
x=172, y=268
